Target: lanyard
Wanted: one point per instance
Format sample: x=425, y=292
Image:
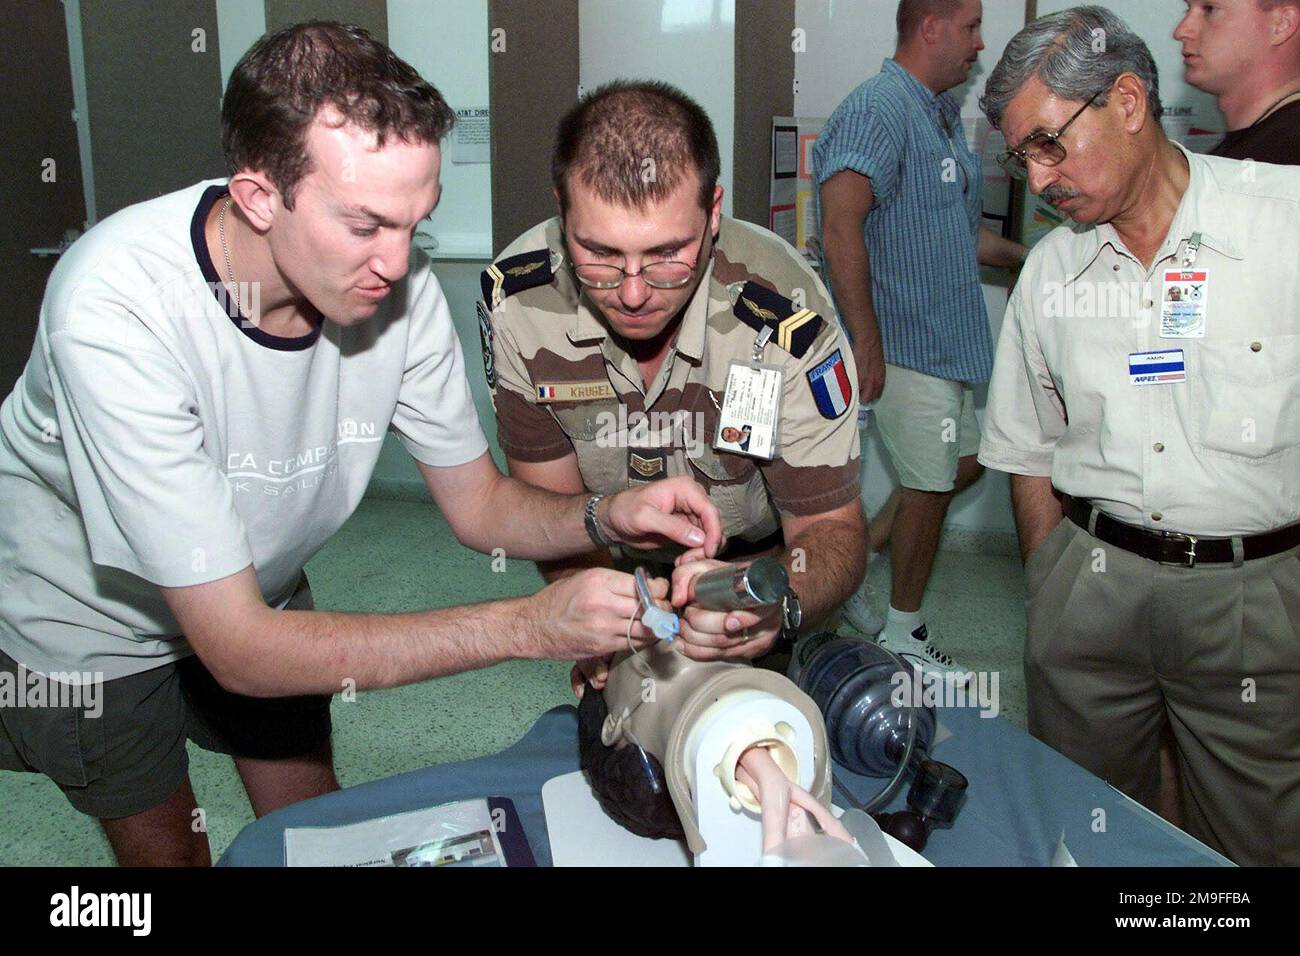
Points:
x=1189, y=254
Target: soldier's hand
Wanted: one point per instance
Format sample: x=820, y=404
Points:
x=715, y=635
x=869, y=357
x=674, y=511
x=586, y=615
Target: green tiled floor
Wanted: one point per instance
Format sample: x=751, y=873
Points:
x=401, y=556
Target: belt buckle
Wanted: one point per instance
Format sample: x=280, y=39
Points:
x=1191, y=540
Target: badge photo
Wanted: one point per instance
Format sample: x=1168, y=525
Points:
x=751, y=411
x=735, y=439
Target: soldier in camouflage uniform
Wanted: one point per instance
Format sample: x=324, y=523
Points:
x=609, y=334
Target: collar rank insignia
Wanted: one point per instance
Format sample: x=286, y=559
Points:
x=794, y=329
x=512, y=276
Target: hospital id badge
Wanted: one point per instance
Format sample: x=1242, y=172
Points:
x=1182, y=304
x=750, y=412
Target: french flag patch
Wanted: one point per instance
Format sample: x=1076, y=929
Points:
x=830, y=386
x=545, y=391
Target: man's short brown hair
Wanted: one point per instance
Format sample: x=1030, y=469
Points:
x=912, y=12
x=282, y=82
x=633, y=143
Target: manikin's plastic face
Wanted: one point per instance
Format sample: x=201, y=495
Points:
x=348, y=237
x=632, y=748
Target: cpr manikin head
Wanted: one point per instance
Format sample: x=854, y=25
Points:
x=645, y=742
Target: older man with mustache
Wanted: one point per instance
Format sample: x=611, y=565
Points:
x=1154, y=445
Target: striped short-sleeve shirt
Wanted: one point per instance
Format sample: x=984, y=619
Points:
x=922, y=232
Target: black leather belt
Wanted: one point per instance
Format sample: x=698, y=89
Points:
x=1173, y=547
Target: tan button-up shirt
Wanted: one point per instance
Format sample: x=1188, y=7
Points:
x=1217, y=454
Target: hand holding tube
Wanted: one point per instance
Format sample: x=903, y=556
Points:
x=729, y=610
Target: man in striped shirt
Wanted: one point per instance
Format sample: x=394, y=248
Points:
x=900, y=209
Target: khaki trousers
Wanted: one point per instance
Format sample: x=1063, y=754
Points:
x=1118, y=645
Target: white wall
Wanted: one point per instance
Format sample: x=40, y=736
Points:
x=846, y=42
x=688, y=43
x=240, y=24
x=447, y=42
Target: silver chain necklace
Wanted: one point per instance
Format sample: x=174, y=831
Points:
x=225, y=250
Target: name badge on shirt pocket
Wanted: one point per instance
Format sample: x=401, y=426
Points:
x=1157, y=368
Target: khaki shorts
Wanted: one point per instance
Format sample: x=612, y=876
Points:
x=927, y=424
x=120, y=750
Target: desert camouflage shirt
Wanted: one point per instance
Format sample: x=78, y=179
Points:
x=563, y=385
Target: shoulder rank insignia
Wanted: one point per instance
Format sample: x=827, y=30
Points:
x=512, y=276
x=794, y=328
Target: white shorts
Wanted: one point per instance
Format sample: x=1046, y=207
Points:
x=927, y=424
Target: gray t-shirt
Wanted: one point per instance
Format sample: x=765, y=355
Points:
x=153, y=440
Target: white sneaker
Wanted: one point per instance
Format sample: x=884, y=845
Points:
x=859, y=613
x=921, y=650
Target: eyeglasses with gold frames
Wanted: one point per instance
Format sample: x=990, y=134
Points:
x=1043, y=148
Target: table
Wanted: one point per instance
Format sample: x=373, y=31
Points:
x=1023, y=796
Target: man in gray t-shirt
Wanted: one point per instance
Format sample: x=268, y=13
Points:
x=212, y=378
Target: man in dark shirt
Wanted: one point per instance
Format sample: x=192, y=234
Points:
x=1247, y=53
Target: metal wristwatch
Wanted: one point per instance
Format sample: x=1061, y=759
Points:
x=593, y=526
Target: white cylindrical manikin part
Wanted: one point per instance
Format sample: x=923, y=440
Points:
x=697, y=718
x=727, y=815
